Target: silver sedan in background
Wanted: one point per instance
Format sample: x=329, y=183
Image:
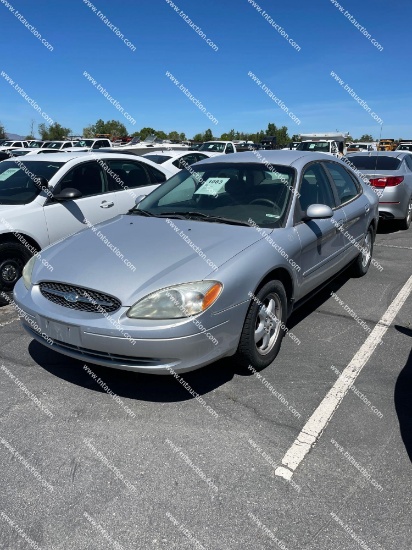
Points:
x=390, y=173
x=218, y=258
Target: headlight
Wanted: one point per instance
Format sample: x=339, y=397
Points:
x=177, y=302
x=27, y=271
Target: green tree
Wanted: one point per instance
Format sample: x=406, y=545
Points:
x=144, y=132
x=173, y=135
x=198, y=137
x=182, y=136
x=53, y=132
x=113, y=127
x=29, y=137
x=366, y=137
x=2, y=132
x=208, y=136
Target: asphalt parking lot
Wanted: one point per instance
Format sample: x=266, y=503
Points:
x=154, y=467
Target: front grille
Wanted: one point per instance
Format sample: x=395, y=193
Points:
x=82, y=299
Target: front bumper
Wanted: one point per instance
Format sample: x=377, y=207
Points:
x=149, y=347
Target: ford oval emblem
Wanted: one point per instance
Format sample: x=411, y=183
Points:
x=71, y=297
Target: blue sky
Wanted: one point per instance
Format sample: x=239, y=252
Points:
x=219, y=79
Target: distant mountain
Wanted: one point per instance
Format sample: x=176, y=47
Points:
x=13, y=136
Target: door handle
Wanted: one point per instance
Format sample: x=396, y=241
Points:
x=106, y=204
x=367, y=208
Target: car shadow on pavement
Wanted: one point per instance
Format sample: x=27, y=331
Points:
x=134, y=385
x=158, y=388
x=388, y=226
x=403, y=399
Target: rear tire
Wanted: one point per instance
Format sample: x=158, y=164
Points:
x=13, y=257
x=264, y=327
x=363, y=261
x=406, y=221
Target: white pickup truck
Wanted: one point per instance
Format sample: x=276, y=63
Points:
x=329, y=143
x=218, y=147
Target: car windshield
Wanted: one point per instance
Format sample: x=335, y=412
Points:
x=321, y=146
x=35, y=144
x=158, y=159
x=55, y=145
x=214, y=146
x=84, y=143
x=375, y=162
x=224, y=192
x=405, y=148
x=358, y=146
x=16, y=179
x=7, y=143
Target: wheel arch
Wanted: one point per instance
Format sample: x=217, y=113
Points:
x=11, y=238
x=281, y=274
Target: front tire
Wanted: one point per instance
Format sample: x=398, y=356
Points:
x=13, y=257
x=363, y=261
x=264, y=327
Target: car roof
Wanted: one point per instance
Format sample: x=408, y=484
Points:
x=379, y=153
x=171, y=154
x=268, y=156
x=70, y=155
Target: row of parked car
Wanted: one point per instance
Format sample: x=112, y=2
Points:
x=230, y=243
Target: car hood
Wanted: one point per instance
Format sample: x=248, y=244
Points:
x=161, y=254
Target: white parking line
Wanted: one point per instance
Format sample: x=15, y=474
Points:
x=316, y=424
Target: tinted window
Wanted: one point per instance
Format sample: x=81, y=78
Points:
x=87, y=178
x=344, y=183
x=185, y=161
x=408, y=162
x=158, y=159
x=229, y=148
x=374, y=162
x=315, y=188
x=16, y=187
x=156, y=176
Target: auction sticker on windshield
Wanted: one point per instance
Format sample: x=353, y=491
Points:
x=212, y=186
x=7, y=173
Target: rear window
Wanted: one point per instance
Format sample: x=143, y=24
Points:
x=158, y=159
x=375, y=162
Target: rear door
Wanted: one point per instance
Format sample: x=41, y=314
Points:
x=355, y=205
x=96, y=205
x=321, y=241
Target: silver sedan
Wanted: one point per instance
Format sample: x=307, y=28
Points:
x=390, y=173
x=218, y=258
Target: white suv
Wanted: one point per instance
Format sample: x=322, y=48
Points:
x=44, y=198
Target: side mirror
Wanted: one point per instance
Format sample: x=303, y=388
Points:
x=139, y=199
x=67, y=194
x=41, y=182
x=318, y=211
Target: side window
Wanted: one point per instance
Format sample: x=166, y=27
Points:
x=104, y=143
x=66, y=145
x=136, y=174
x=156, y=176
x=408, y=161
x=229, y=148
x=344, y=183
x=87, y=178
x=187, y=160
x=315, y=188
x=17, y=144
x=199, y=157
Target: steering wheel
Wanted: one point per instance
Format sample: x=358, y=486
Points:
x=264, y=201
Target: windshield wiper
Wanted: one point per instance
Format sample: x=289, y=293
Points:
x=204, y=217
x=135, y=210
